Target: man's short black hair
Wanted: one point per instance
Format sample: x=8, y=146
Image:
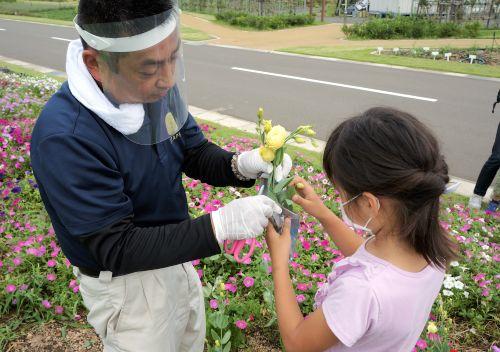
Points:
x=109, y=11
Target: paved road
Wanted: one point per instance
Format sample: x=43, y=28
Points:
x=295, y=90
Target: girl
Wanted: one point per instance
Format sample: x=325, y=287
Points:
x=390, y=173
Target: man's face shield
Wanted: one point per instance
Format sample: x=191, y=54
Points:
x=141, y=67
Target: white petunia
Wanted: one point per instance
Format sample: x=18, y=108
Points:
x=447, y=293
x=448, y=284
x=466, y=294
x=459, y=285
x=454, y=263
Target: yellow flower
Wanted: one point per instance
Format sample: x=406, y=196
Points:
x=267, y=125
x=260, y=113
x=267, y=154
x=217, y=343
x=300, y=140
x=432, y=328
x=275, y=138
x=306, y=130
x=222, y=287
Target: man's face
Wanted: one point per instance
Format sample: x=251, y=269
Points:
x=143, y=76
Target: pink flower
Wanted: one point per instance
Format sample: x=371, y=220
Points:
x=231, y=287
x=421, y=344
x=214, y=304
x=314, y=257
x=241, y=324
x=51, y=263
x=10, y=288
x=76, y=289
x=485, y=293
x=17, y=261
x=195, y=262
x=23, y=287
x=46, y=304
x=301, y=298
x=248, y=281
x=200, y=273
x=51, y=277
x=266, y=257
x=302, y=287
x=59, y=310
x=77, y=317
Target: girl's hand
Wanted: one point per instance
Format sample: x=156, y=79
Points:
x=308, y=199
x=279, y=245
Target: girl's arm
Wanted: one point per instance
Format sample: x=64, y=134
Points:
x=344, y=238
x=298, y=334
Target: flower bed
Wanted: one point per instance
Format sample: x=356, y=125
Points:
x=36, y=282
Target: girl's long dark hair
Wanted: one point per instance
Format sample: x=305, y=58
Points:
x=391, y=154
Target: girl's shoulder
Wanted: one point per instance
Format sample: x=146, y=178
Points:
x=356, y=269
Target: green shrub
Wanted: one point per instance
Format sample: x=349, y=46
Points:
x=410, y=27
x=241, y=19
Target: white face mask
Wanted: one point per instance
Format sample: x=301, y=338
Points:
x=351, y=223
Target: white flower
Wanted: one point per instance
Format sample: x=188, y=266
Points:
x=310, y=169
x=466, y=294
x=485, y=247
x=448, y=282
x=459, y=285
x=454, y=263
x=237, y=194
x=447, y=293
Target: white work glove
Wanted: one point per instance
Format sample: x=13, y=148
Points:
x=251, y=165
x=243, y=218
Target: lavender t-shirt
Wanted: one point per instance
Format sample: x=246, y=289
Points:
x=371, y=305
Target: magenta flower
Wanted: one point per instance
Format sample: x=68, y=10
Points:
x=231, y=287
x=248, y=281
x=51, y=277
x=421, y=344
x=200, y=273
x=195, y=262
x=17, y=261
x=46, y=304
x=10, y=288
x=485, y=293
x=59, y=310
x=51, y=263
x=241, y=324
x=301, y=298
x=214, y=304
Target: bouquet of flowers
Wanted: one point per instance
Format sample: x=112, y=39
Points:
x=274, y=141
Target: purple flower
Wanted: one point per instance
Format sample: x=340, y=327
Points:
x=59, y=310
x=10, y=288
x=16, y=189
x=248, y=281
x=241, y=324
x=214, y=304
x=301, y=298
x=422, y=344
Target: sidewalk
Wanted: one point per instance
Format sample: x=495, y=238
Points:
x=321, y=35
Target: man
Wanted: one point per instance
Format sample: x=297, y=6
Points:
x=487, y=174
x=108, y=152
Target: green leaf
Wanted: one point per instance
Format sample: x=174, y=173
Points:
x=278, y=159
x=281, y=197
x=226, y=337
x=272, y=195
x=214, y=334
x=230, y=258
x=270, y=322
x=228, y=347
x=288, y=204
x=282, y=184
